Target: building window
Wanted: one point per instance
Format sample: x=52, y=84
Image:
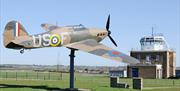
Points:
x=139, y=56
x=157, y=57
x=148, y=59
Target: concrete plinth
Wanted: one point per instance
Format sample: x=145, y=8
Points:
x=137, y=83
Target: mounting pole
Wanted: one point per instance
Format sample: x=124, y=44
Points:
x=72, y=68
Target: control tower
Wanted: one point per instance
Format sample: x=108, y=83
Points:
x=157, y=60
x=154, y=42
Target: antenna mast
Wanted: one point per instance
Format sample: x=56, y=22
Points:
x=152, y=31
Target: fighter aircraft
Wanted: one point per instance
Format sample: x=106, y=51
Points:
x=73, y=36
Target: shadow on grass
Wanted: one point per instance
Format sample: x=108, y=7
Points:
x=43, y=87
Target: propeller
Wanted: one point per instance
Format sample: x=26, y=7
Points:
x=109, y=32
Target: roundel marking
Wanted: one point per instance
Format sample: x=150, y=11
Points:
x=115, y=52
x=55, y=40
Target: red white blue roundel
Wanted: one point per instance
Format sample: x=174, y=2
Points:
x=55, y=40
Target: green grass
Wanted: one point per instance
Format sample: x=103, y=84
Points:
x=93, y=82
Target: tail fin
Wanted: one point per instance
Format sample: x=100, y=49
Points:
x=12, y=30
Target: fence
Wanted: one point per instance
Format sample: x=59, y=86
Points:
x=31, y=75
x=83, y=80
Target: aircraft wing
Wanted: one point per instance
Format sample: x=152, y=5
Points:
x=49, y=27
x=93, y=47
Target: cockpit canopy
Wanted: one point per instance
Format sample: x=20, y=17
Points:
x=79, y=27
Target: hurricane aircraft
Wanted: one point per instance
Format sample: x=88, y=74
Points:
x=72, y=36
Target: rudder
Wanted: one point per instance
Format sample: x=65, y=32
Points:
x=12, y=30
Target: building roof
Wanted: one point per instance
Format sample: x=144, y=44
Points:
x=152, y=51
x=144, y=65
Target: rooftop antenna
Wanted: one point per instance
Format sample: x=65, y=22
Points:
x=154, y=26
x=152, y=31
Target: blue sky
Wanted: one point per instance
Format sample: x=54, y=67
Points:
x=130, y=20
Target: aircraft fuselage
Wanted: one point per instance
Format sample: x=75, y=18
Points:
x=57, y=38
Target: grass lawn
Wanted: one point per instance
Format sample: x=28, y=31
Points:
x=85, y=81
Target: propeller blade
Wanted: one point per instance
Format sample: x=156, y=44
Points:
x=112, y=40
x=107, y=24
x=109, y=32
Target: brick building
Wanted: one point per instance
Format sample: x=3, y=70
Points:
x=145, y=70
x=156, y=59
